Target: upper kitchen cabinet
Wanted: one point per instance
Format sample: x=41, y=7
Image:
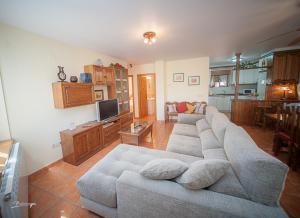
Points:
x=249, y=76
x=286, y=66
x=220, y=77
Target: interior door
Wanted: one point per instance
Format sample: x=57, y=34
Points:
x=143, y=103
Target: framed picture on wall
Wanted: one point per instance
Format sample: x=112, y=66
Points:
x=99, y=95
x=194, y=80
x=178, y=77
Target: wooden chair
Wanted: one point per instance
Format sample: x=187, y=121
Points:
x=294, y=149
x=284, y=129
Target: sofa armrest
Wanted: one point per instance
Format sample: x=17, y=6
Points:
x=189, y=118
x=138, y=196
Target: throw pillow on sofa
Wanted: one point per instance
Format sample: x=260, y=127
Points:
x=172, y=108
x=200, y=108
x=190, y=108
x=181, y=107
x=203, y=173
x=163, y=169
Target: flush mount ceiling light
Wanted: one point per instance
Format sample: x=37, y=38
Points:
x=149, y=37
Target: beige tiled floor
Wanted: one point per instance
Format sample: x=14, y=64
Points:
x=56, y=195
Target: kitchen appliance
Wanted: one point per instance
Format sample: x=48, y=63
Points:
x=249, y=91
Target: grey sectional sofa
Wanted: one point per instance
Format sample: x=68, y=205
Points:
x=251, y=187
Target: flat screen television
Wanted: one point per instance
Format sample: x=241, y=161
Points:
x=107, y=109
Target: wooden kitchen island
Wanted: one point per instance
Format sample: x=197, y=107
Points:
x=243, y=110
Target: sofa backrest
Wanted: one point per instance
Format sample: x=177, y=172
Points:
x=260, y=174
x=219, y=123
x=210, y=111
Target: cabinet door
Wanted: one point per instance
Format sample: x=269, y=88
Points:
x=99, y=75
x=279, y=67
x=242, y=78
x=80, y=145
x=94, y=138
x=109, y=73
x=75, y=95
x=293, y=66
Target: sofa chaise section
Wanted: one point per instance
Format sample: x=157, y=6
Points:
x=97, y=187
x=140, y=197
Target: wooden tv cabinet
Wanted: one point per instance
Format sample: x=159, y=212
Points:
x=85, y=140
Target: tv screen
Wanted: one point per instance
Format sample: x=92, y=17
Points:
x=106, y=109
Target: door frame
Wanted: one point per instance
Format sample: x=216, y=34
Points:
x=132, y=87
x=154, y=78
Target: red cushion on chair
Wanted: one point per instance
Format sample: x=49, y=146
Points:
x=181, y=107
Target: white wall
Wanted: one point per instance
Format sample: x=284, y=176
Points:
x=29, y=66
x=166, y=89
x=181, y=91
x=4, y=127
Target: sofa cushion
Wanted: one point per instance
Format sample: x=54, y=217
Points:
x=261, y=175
x=189, y=118
x=171, y=108
x=163, y=169
x=99, y=183
x=210, y=111
x=190, y=108
x=228, y=184
x=181, y=107
x=203, y=173
x=218, y=125
x=216, y=153
x=209, y=140
x=185, y=145
x=201, y=126
x=200, y=108
x=185, y=129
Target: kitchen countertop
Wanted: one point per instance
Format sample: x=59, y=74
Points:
x=216, y=95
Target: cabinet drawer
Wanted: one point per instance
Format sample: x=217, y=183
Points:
x=112, y=128
x=126, y=119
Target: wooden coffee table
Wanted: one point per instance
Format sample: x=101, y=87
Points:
x=136, y=132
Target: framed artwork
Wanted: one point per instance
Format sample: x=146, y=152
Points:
x=178, y=77
x=99, y=95
x=194, y=80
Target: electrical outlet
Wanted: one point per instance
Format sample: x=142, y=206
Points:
x=56, y=145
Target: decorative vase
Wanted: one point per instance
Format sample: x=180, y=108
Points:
x=61, y=74
x=73, y=79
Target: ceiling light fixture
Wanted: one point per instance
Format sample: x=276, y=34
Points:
x=149, y=37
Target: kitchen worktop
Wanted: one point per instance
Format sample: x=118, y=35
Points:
x=226, y=94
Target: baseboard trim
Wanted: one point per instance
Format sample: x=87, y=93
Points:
x=32, y=177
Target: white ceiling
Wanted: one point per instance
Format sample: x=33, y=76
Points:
x=185, y=29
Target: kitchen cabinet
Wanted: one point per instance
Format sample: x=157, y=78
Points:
x=221, y=102
x=249, y=76
x=286, y=66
